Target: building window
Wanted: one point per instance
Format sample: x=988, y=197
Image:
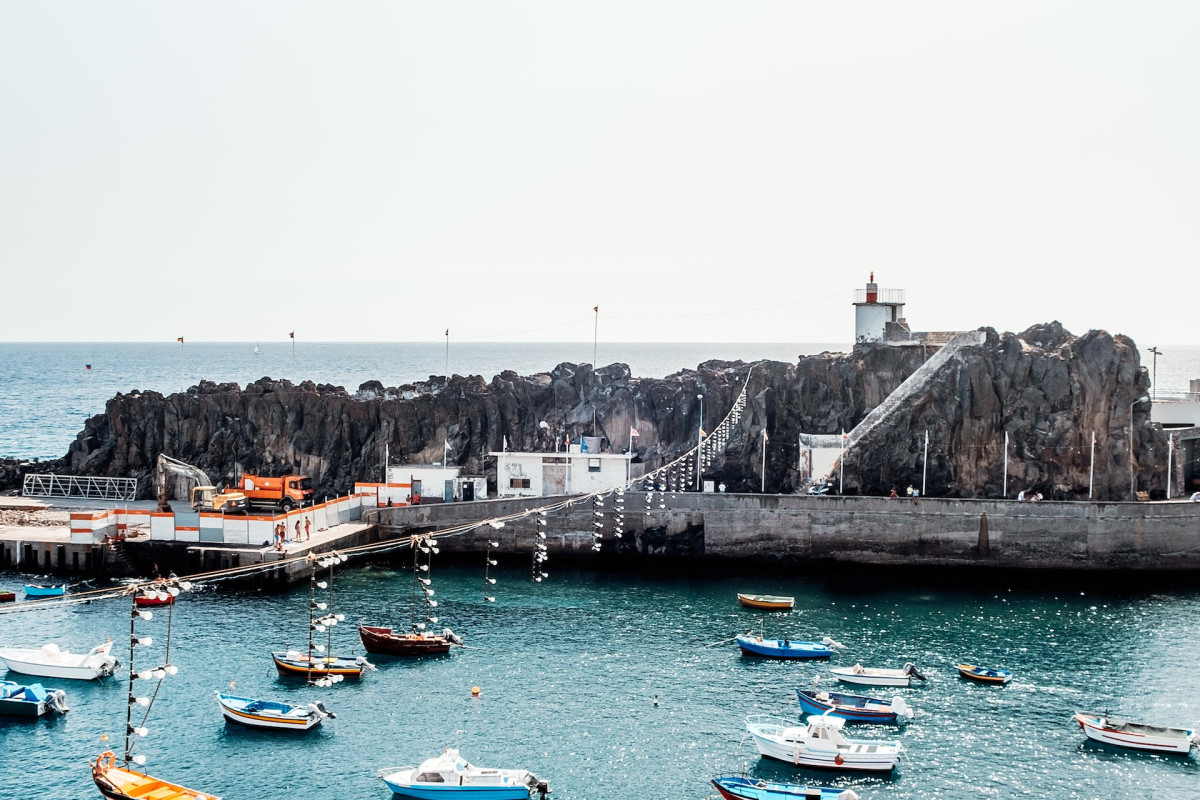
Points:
x=593, y=465
x=518, y=483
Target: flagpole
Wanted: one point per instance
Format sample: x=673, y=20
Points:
x=447, y=354
x=595, y=342
x=1092, y=468
x=386, y=458
x=181, y=379
x=925, y=464
x=763, y=488
x=1005, y=465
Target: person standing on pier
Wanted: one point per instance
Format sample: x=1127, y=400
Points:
x=297, y=531
x=307, y=527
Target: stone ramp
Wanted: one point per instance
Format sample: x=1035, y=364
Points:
x=912, y=385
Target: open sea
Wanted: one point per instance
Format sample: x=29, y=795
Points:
x=569, y=668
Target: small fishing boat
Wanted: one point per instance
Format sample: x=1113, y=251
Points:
x=7, y=597
x=870, y=676
x=740, y=787
x=155, y=595
x=272, y=714
x=416, y=641
x=122, y=783
x=45, y=589
x=32, y=700
x=451, y=775
x=985, y=674
x=784, y=648
x=854, y=707
x=327, y=669
x=48, y=661
x=767, y=602
x=820, y=743
x=385, y=641
x=1136, y=735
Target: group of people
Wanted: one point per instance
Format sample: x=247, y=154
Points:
x=1031, y=497
x=281, y=533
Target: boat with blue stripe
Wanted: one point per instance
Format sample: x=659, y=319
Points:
x=753, y=645
x=854, y=707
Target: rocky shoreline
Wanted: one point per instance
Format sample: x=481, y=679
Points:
x=1047, y=389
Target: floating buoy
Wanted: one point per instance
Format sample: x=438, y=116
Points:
x=474, y=691
x=656, y=701
x=839, y=760
x=104, y=737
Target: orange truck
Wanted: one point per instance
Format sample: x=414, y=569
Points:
x=283, y=493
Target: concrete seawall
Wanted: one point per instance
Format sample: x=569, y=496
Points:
x=788, y=529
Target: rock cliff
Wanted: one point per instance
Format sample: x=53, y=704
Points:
x=1048, y=390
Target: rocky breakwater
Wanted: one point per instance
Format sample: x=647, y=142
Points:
x=1046, y=388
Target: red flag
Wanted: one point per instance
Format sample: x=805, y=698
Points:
x=633, y=431
x=291, y=335
x=89, y=366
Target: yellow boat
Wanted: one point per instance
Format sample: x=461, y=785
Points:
x=766, y=602
x=119, y=783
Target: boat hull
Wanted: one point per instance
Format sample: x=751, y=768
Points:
x=32, y=590
x=8, y=597
x=267, y=715
x=852, y=708
x=30, y=701
x=63, y=666
x=767, y=602
x=737, y=787
x=1135, y=736
x=383, y=641
x=997, y=677
x=301, y=667
x=873, y=677
x=118, y=783
x=790, y=743
x=473, y=792
x=781, y=648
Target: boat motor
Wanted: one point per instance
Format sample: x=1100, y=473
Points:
x=901, y=708
x=911, y=669
x=320, y=708
x=57, y=701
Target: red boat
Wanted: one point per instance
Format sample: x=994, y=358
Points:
x=387, y=642
x=154, y=596
x=7, y=597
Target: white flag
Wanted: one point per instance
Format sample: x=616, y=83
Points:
x=505, y=438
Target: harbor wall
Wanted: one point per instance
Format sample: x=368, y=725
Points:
x=790, y=529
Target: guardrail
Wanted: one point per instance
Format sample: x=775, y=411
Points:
x=80, y=486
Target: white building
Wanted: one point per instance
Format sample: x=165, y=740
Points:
x=569, y=472
x=875, y=311
x=433, y=482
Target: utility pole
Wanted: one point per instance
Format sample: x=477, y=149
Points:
x=1154, y=372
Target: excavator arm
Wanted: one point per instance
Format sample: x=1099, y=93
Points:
x=168, y=465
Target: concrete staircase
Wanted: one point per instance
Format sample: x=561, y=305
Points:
x=911, y=386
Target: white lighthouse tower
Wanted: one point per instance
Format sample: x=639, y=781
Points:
x=875, y=312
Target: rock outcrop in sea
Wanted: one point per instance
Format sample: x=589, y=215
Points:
x=1046, y=388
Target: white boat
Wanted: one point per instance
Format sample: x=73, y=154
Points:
x=820, y=743
x=1136, y=735
x=870, y=676
x=48, y=661
x=450, y=775
x=272, y=714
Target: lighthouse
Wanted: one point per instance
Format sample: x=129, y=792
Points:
x=878, y=316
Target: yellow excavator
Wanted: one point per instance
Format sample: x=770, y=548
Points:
x=205, y=496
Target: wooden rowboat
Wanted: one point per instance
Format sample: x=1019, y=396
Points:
x=985, y=674
x=119, y=783
x=767, y=602
x=386, y=641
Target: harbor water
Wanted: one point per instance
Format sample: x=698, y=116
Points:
x=619, y=685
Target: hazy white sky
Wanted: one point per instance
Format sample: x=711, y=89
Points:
x=701, y=171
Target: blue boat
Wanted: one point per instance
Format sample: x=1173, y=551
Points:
x=451, y=776
x=739, y=787
x=783, y=648
x=854, y=707
x=45, y=590
x=272, y=714
x=32, y=700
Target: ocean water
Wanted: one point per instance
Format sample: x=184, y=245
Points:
x=569, y=670
x=46, y=391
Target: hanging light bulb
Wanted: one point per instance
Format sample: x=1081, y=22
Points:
x=340, y=617
x=493, y=544
x=171, y=669
x=144, y=640
x=146, y=615
x=139, y=759
x=322, y=584
x=173, y=591
x=141, y=732
x=141, y=701
x=321, y=606
x=320, y=648
x=489, y=599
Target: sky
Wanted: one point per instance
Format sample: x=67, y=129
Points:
x=696, y=171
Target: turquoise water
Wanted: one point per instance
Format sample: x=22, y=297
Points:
x=569, y=669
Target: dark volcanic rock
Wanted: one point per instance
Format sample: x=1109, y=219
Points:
x=1046, y=388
